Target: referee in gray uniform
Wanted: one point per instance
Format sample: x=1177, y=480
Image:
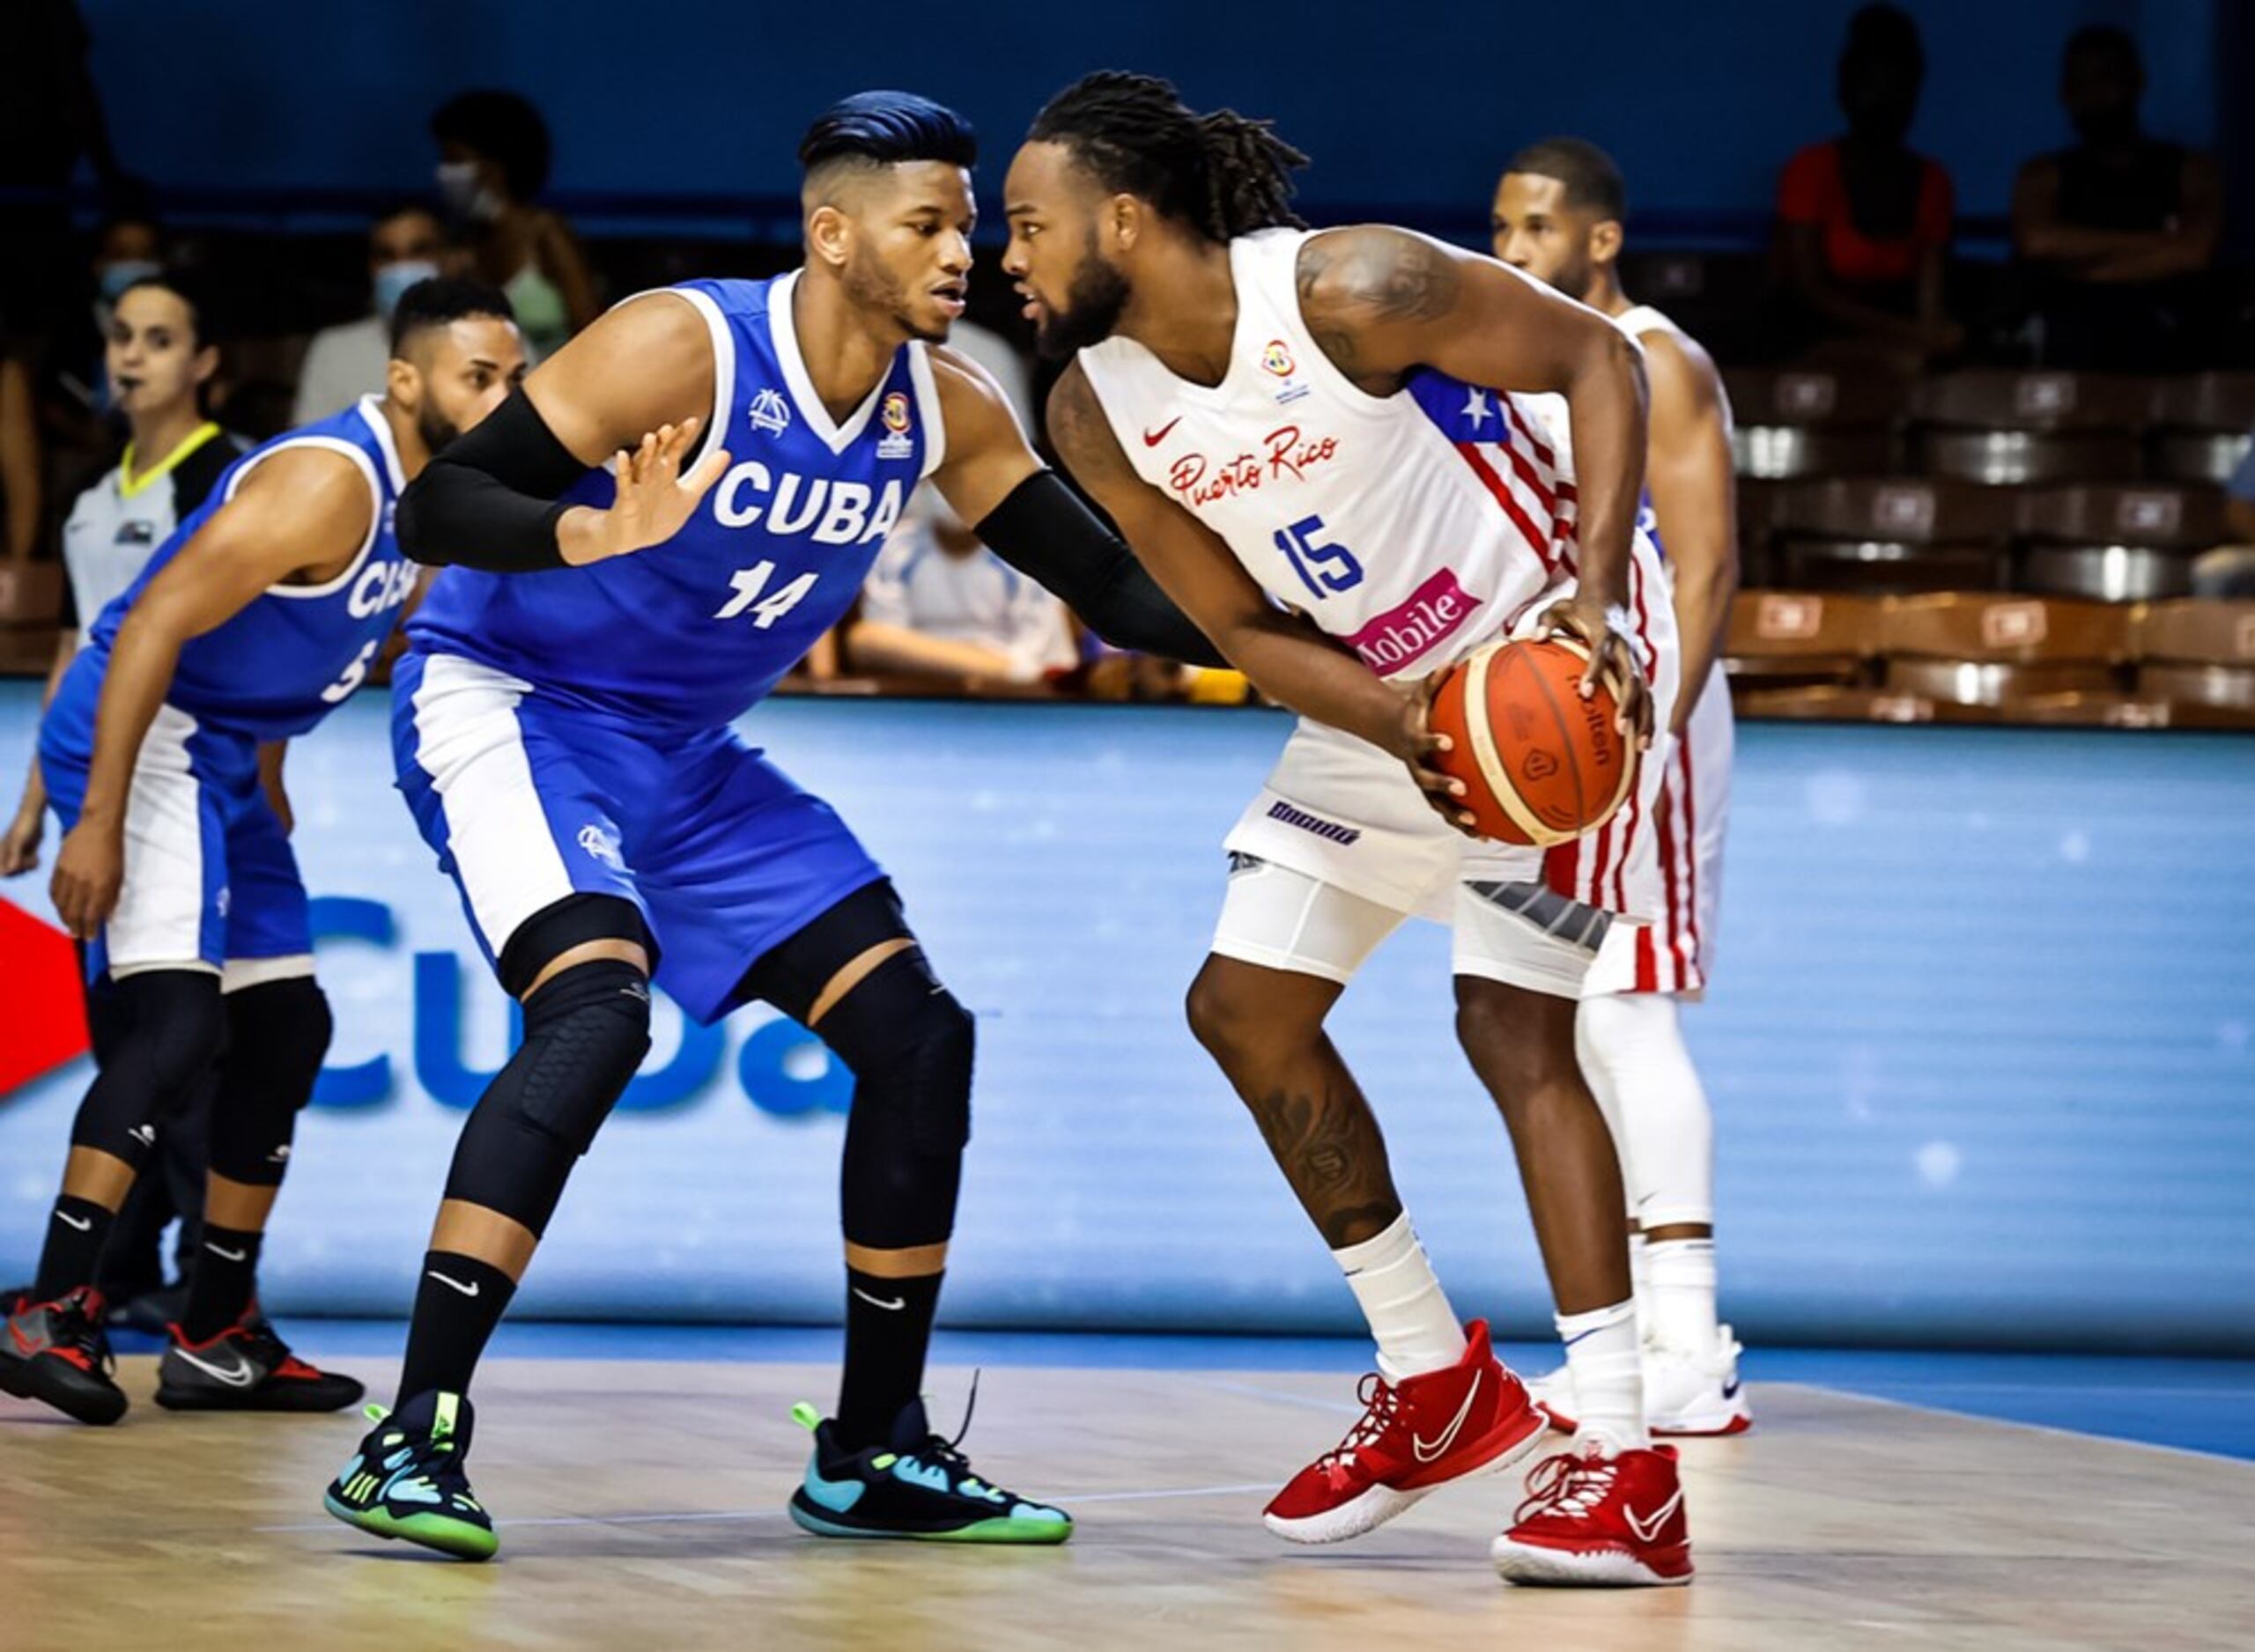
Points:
x=160, y=356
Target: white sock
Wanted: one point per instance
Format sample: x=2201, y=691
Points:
x=1416, y=1330
x=1608, y=1369
x=1680, y=1281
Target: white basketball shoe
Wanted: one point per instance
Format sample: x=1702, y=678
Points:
x=1687, y=1395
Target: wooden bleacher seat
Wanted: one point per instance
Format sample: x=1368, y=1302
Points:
x=2203, y=424
x=2116, y=545
x=1892, y=535
x=1997, y=428
x=1792, y=423
x=2008, y=631
x=1993, y=683
x=2197, y=632
x=2226, y=687
x=2126, y=710
x=1782, y=639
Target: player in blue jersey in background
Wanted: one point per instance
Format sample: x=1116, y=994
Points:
x=262, y=613
x=562, y=723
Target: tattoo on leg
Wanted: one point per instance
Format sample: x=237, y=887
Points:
x=1329, y=1148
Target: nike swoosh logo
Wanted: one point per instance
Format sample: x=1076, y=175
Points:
x=84, y=1224
x=1647, y=1529
x=1426, y=1453
x=467, y=1290
x=222, y=1251
x=893, y=1307
x=237, y=1376
x=1152, y=438
x=1730, y=1389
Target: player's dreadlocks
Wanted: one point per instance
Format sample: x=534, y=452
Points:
x=1225, y=174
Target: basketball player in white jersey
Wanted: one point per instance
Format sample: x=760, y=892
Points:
x=1283, y=420
x=1557, y=216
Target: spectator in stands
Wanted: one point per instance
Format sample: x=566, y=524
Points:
x=2119, y=229
x=939, y=603
x=493, y=160
x=348, y=361
x=1864, y=220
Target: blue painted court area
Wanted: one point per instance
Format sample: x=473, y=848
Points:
x=2206, y=1406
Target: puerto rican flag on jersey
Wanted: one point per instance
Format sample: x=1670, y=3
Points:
x=1504, y=442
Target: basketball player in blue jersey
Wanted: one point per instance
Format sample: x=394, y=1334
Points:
x=562, y=722
x=261, y=613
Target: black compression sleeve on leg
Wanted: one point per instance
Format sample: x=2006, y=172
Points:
x=489, y=499
x=586, y=1031
x=1044, y=531
x=911, y=1045
x=278, y=1033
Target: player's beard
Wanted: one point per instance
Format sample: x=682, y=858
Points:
x=433, y=428
x=1092, y=310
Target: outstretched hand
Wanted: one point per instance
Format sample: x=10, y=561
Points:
x=655, y=499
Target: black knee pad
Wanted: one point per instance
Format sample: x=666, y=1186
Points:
x=911, y=1046
x=586, y=1032
x=277, y=1036
x=168, y=1029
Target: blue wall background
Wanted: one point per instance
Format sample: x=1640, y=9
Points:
x=1980, y=1047
x=1412, y=106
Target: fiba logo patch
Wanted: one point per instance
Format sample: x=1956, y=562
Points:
x=1277, y=359
x=603, y=846
x=895, y=442
x=769, y=412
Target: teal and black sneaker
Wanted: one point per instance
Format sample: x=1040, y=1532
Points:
x=407, y=1480
x=917, y=1486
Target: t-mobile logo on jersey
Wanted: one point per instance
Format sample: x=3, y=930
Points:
x=1435, y=611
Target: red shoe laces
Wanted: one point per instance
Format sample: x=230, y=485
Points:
x=1570, y=1484
x=1381, y=1403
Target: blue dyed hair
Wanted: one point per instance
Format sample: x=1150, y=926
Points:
x=883, y=128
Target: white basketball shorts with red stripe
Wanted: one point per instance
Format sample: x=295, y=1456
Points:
x=1674, y=953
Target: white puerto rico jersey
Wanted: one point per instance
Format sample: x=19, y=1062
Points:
x=1413, y=527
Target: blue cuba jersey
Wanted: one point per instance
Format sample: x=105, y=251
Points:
x=693, y=632
x=279, y=667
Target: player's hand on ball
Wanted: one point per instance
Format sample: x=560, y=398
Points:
x=1610, y=656
x=655, y=498
x=88, y=870
x=1416, y=745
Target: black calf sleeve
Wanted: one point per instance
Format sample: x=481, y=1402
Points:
x=910, y=1044
x=166, y=1028
x=277, y=1034
x=586, y=1032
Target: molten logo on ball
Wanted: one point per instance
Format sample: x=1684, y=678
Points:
x=1540, y=765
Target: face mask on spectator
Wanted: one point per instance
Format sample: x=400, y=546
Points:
x=465, y=196
x=394, y=279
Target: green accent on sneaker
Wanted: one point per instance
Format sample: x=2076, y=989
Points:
x=449, y=1414
x=884, y=1462
x=1002, y=1529
x=449, y=1536
x=806, y=1416
x=374, y=1412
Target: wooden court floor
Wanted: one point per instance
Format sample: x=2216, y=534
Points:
x=641, y=1508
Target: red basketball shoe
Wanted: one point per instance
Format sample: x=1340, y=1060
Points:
x=1595, y=1520
x=1417, y=1435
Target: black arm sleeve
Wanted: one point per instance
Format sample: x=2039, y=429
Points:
x=1043, y=531
x=489, y=499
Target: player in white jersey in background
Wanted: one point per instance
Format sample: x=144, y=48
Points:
x=1284, y=421
x=1558, y=215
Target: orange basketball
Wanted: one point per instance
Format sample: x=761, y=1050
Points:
x=1540, y=763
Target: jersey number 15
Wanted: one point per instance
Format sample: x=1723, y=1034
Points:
x=1323, y=569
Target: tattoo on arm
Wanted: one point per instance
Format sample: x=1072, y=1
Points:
x=1351, y=280
x=1328, y=1146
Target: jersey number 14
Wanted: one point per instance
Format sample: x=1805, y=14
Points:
x=748, y=582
